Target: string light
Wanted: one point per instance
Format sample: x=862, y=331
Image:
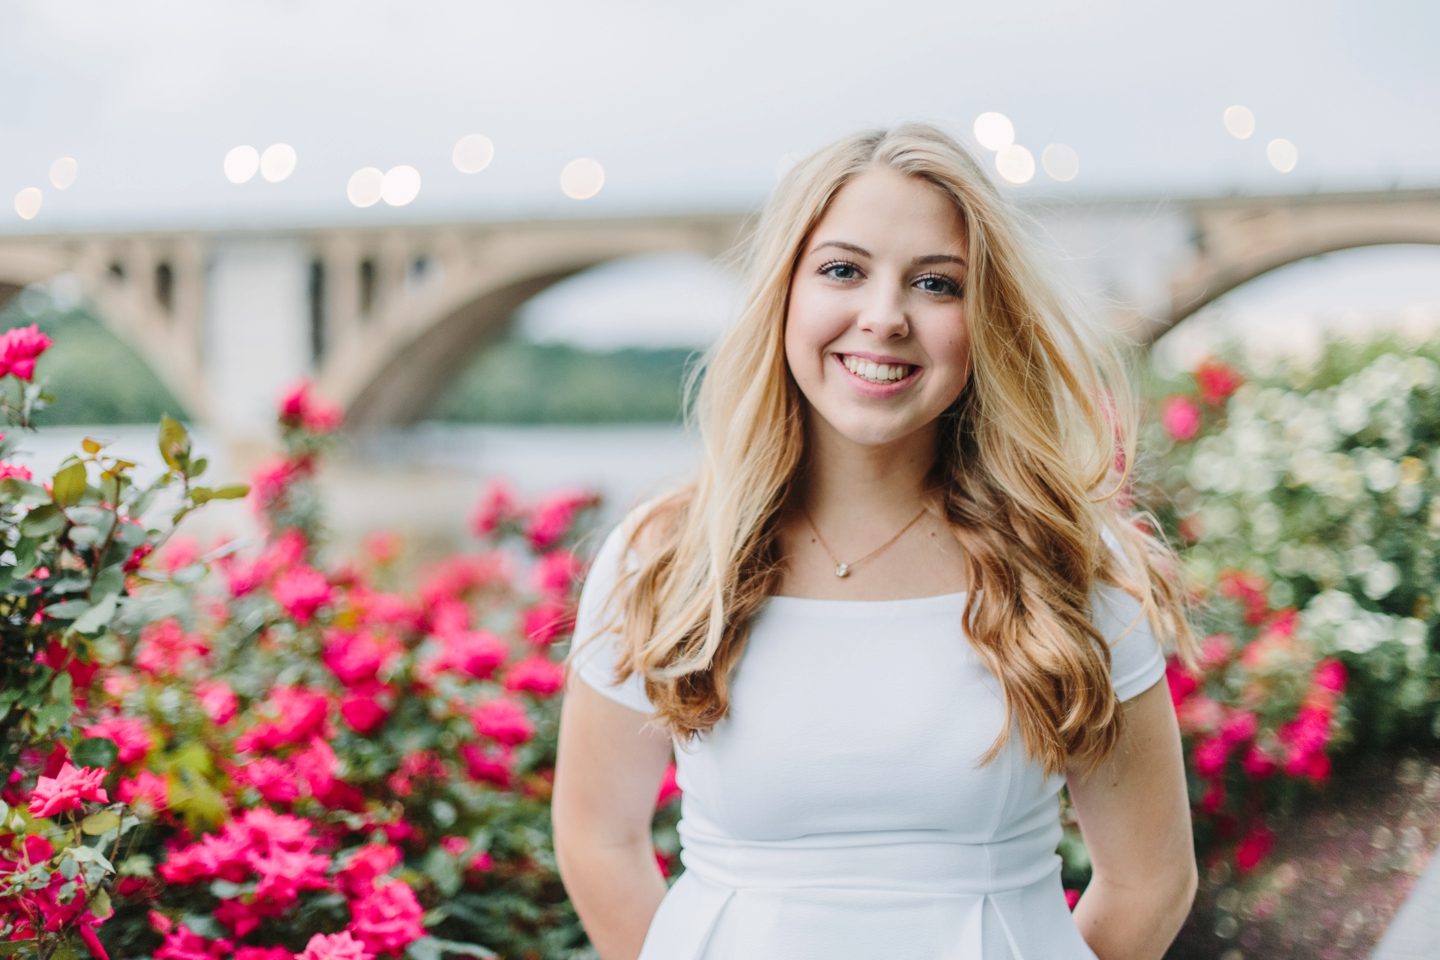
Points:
x=1240, y=122
x=241, y=164
x=363, y=190
x=472, y=153
x=994, y=131
x=1015, y=164
x=400, y=185
x=582, y=179
x=63, y=171
x=277, y=162
x=1282, y=154
x=27, y=202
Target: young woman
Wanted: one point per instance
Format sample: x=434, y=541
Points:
x=895, y=613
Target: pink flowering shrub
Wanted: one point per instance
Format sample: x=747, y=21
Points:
x=314, y=756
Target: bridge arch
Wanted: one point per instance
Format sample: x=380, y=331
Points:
x=1239, y=239
x=395, y=378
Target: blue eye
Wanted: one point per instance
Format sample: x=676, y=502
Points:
x=938, y=284
x=840, y=270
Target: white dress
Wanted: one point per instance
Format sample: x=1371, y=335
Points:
x=839, y=811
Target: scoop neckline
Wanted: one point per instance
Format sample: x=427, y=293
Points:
x=933, y=599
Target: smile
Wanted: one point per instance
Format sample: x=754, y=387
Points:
x=877, y=372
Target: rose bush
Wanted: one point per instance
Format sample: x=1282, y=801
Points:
x=1306, y=503
x=311, y=759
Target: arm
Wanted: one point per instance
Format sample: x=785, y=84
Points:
x=607, y=774
x=1135, y=816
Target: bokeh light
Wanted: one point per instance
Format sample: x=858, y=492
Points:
x=400, y=186
x=1239, y=121
x=241, y=164
x=472, y=153
x=1015, y=164
x=1283, y=155
x=63, y=171
x=1060, y=161
x=582, y=179
x=277, y=162
x=363, y=190
x=994, y=131
x=27, y=202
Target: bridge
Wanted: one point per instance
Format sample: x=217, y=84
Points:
x=384, y=318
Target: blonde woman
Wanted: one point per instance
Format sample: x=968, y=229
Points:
x=895, y=613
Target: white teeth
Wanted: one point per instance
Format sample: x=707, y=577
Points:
x=876, y=372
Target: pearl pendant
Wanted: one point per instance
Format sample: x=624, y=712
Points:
x=842, y=569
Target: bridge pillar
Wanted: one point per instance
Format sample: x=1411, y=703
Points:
x=257, y=335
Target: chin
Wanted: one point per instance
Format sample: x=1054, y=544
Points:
x=867, y=430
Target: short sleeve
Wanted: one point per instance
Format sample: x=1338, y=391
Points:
x=1136, y=660
x=597, y=644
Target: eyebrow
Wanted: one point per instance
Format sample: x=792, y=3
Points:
x=925, y=260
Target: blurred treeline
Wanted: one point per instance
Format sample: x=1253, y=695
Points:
x=97, y=378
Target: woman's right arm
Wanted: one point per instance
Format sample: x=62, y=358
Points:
x=607, y=775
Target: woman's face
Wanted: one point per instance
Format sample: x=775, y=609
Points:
x=876, y=334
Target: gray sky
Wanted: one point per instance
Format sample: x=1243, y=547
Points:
x=686, y=105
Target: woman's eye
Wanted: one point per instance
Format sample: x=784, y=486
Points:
x=841, y=271
x=943, y=286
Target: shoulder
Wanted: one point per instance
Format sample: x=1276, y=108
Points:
x=1137, y=659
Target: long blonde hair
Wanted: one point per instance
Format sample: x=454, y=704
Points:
x=1026, y=473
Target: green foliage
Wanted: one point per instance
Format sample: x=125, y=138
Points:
x=518, y=382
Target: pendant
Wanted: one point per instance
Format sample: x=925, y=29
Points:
x=842, y=569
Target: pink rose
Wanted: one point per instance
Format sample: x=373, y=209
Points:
x=16, y=470
x=388, y=919
x=1210, y=757
x=556, y=573
x=302, y=591
x=1217, y=381
x=546, y=621
x=68, y=790
x=669, y=789
x=19, y=349
x=1180, y=416
x=335, y=946
x=1254, y=848
x=497, y=505
x=129, y=736
x=148, y=788
x=357, y=878
x=503, y=721
x=537, y=675
x=1330, y=675
x=217, y=700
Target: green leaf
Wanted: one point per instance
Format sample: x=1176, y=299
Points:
x=69, y=485
x=69, y=610
x=61, y=687
x=174, y=443
x=42, y=521
x=9, y=948
x=197, y=468
x=99, y=823
x=25, y=557
x=201, y=494
x=433, y=948
x=108, y=582
x=96, y=752
x=234, y=491
x=13, y=489
x=97, y=617
x=100, y=905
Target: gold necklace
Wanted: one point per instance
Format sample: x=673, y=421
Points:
x=843, y=569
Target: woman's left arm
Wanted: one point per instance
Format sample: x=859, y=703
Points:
x=1135, y=816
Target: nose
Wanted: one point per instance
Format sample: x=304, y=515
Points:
x=884, y=313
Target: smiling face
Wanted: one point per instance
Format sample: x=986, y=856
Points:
x=876, y=333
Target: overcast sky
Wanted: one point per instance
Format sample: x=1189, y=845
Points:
x=685, y=105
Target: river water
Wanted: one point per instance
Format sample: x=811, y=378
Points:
x=421, y=481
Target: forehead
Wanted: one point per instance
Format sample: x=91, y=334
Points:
x=885, y=211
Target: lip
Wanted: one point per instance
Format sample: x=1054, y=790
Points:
x=877, y=391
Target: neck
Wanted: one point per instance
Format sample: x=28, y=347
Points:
x=849, y=485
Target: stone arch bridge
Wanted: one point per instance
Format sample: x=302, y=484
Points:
x=384, y=318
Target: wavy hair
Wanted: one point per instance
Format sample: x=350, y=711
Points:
x=1026, y=473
